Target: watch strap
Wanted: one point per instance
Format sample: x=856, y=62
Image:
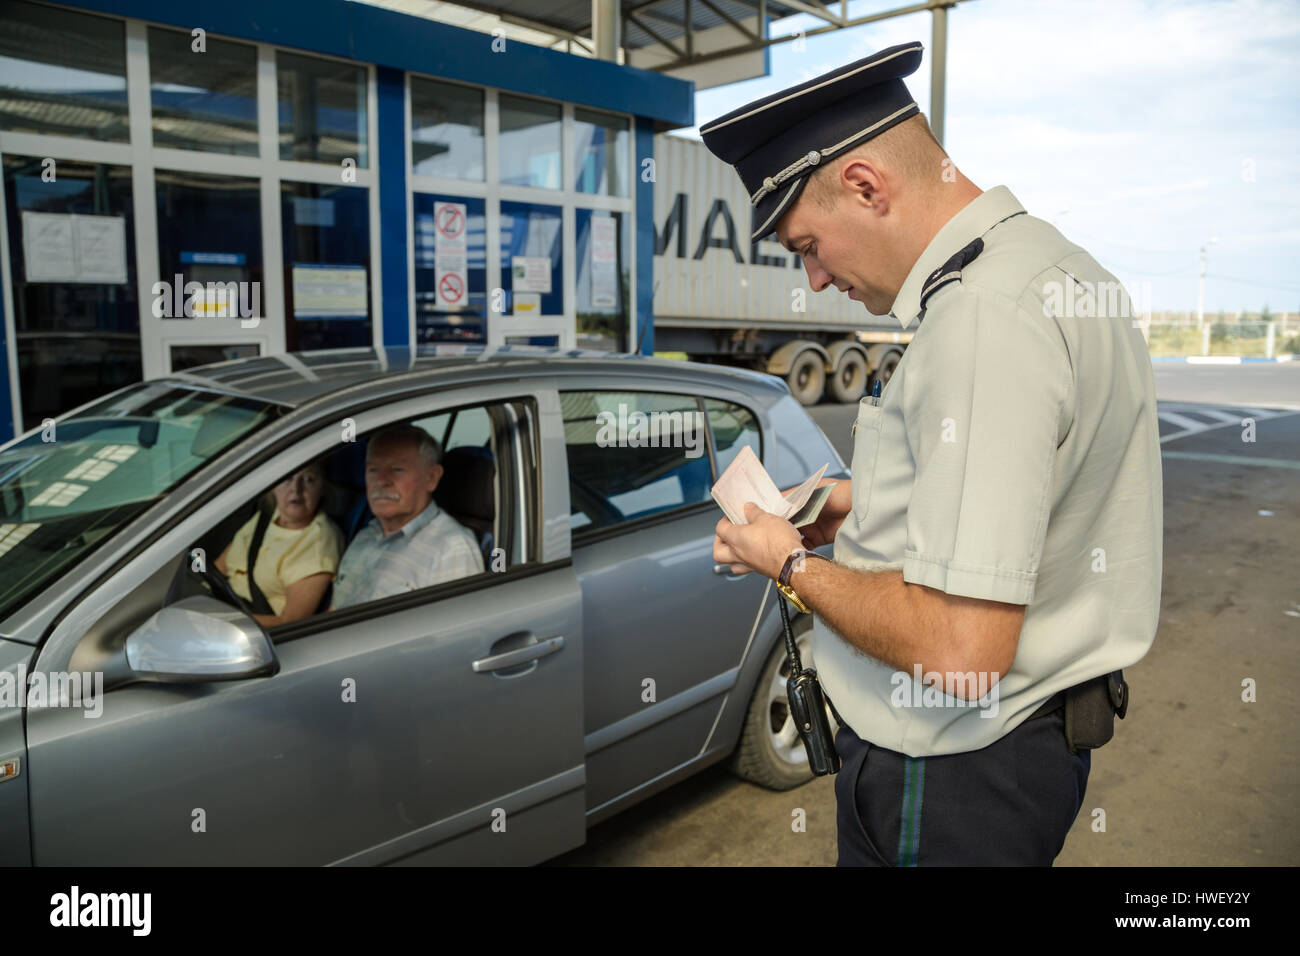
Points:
x=788, y=568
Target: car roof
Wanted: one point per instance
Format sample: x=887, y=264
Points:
x=296, y=378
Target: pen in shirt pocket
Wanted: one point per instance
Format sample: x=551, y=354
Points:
x=875, y=400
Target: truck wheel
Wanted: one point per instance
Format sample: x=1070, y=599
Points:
x=888, y=362
x=850, y=378
x=807, y=378
x=770, y=752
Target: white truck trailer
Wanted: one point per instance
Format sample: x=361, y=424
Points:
x=720, y=298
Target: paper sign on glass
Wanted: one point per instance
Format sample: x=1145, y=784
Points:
x=747, y=480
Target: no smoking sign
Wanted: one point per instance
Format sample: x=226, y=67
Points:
x=451, y=289
x=449, y=245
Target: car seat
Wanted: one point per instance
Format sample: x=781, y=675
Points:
x=467, y=492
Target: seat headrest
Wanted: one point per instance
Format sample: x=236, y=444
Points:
x=467, y=486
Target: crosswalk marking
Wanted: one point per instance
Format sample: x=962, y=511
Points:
x=1219, y=414
x=1179, y=415
x=1191, y=424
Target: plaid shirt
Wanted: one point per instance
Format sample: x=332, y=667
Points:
x=429, y=549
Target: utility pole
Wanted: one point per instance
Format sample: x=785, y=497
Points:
x=938, y=68
x=1200, y=286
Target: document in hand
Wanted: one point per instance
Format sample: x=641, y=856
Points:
x=747, y=480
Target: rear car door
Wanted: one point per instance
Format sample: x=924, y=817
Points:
x=405, y=730
x=666, y=631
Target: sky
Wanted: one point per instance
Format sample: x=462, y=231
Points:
x=1141, y=128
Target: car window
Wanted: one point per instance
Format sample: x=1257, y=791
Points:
x=734, y=427
x=471, y=426
x=479, y=510
x=71, y=486
x=632, y=455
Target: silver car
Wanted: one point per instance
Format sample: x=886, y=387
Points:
x=146, y=718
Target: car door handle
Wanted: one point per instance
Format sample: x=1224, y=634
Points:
x=520, y=655
x=726, y=569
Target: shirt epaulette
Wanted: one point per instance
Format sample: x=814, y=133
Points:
x=950, y=271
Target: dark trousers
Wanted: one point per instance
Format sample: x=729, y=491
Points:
x=1009, y=804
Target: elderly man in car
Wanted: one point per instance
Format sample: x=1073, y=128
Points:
x=410, y=543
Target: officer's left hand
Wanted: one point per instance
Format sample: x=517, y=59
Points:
x=762, y=545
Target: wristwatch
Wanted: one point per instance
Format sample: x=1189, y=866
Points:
x=783, y=579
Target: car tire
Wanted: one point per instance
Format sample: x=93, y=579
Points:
x=850, y=378
x=771, y=752
x=807, y=377
x=885, y=371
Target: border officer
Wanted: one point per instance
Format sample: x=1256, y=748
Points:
x=997, y=553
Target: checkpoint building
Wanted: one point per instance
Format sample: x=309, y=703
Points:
x=186, y=184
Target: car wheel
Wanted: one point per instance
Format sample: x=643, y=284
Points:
x=771, y=752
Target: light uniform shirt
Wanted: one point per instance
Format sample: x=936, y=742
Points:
x=286, y=556
x=431, y=548
x=1014, y=457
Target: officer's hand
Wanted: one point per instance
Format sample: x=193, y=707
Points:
x=762, y=545
x=837, y=507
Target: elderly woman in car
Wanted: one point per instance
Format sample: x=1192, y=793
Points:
x=298, y=556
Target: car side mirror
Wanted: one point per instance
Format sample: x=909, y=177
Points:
x=199, y=639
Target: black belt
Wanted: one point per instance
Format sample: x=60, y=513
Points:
x=1053, y=703
x=1057, y=700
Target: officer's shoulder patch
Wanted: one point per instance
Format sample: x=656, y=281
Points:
x=950, y=271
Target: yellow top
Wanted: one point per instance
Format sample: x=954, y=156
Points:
x=286, y=556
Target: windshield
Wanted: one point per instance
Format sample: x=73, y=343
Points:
x=71, y=485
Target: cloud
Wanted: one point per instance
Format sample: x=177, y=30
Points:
x=1141, y=127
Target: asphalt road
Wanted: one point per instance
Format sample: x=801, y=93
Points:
x=1194, y=775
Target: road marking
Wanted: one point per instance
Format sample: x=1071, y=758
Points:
x=1227, y=415
x=1232, y=459
x=1222, y=415
x=1191, y=424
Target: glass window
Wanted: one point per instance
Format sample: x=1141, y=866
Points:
x=64, y=73
x=210, y=232
x=530, y=237
x=472, y=427
x=322, y=109
x=459, y=428
x=529, y=142
x=633, y=454
x=446, y=130
x=601, y=152
x=604, y=283
x=450, y=269
x=72, y=260
x=192, y=356
x=203, y=100
x=109, y=462
x=733, y=428
x=326, y=237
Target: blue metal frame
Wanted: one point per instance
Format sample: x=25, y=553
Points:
x=393, y=228
x=370, y=34
x=9, y=428
x=643, y=327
